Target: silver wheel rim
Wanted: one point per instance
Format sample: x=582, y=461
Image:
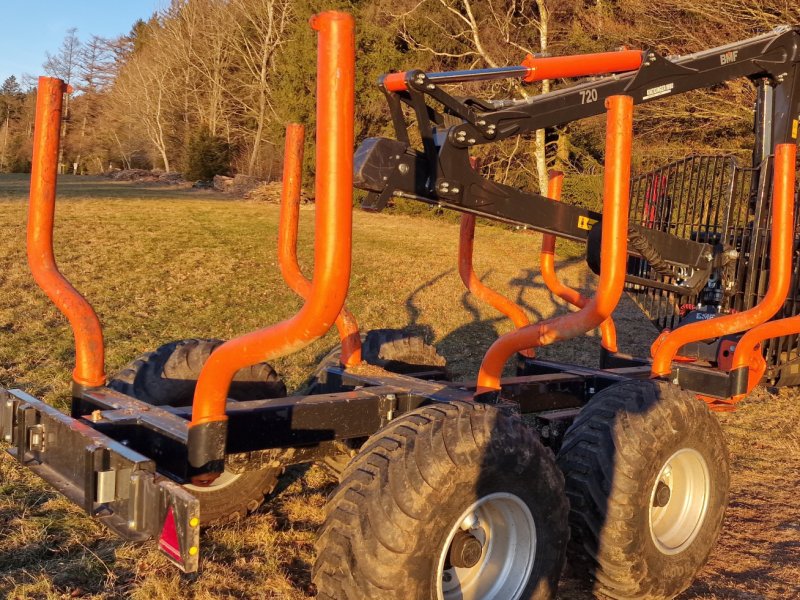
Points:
x=675, y=525
x=224, y=480
x=504, y=526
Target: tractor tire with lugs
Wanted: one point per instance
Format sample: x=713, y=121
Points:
x=168, y=376
x=646, y=473
x=394, y=350
x=402, y=352
x=450, y=501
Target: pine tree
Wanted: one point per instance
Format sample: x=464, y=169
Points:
x=11, y=103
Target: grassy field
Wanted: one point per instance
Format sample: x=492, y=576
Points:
x=161, y=264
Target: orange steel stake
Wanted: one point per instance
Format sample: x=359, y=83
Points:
x=746, y=354
x=287, y=242
x=89, y=359
x=466, y=243
x=614, y=245
x=333, y=229
x=608, y=332
x=779, y=277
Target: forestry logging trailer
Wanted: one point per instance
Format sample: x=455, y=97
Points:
x=463, y=490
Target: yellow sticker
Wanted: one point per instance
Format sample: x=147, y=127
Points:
x=585, y=222
x=794, y=129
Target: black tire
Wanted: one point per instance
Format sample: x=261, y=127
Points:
x=399, y=351
x=220, y=504
x=395, y=350
x=388, y=524
x=167, y=377
x=615, y=458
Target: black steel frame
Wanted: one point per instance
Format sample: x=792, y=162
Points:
x=124, y=461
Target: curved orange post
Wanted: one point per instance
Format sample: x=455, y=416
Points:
x=333, y=229
x=780, y=275
x=466, y=244
x=89, y=359
x=746, y=354
x=614, y=245
x=608, y=332
x=287, y=242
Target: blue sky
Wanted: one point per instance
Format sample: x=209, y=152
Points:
x=31, y=28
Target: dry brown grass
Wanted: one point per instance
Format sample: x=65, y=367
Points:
x=160, y=265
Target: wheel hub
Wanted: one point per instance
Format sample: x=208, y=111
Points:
x=222, y=480
x=465, y=550
x=662, y=495
x=679, y=501
x=489, y=551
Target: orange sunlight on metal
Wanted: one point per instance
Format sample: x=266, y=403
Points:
x=616, y=200
x=779, y=277
x=287, y=242
x=608, y=332
x=333, y=227
x=89, y=353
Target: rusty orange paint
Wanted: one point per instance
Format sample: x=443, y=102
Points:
x=779, y=277
x=89, y=353
x=608, y=332
x=466, y=243
x=287, y=242
x=616, y=200
x=333, y=227
x=581, y=65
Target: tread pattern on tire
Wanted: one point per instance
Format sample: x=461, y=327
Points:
x=603, y=458
x=395, y=350
x=366, y=548
x=168, y=376
x=250, y=494
x=399, y=351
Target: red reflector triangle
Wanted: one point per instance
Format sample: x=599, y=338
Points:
x=169, y=542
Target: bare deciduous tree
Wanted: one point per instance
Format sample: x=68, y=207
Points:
x=491, y=33
x=260, y=29
x=63, y=65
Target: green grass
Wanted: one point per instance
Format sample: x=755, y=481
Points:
x=162, y=264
